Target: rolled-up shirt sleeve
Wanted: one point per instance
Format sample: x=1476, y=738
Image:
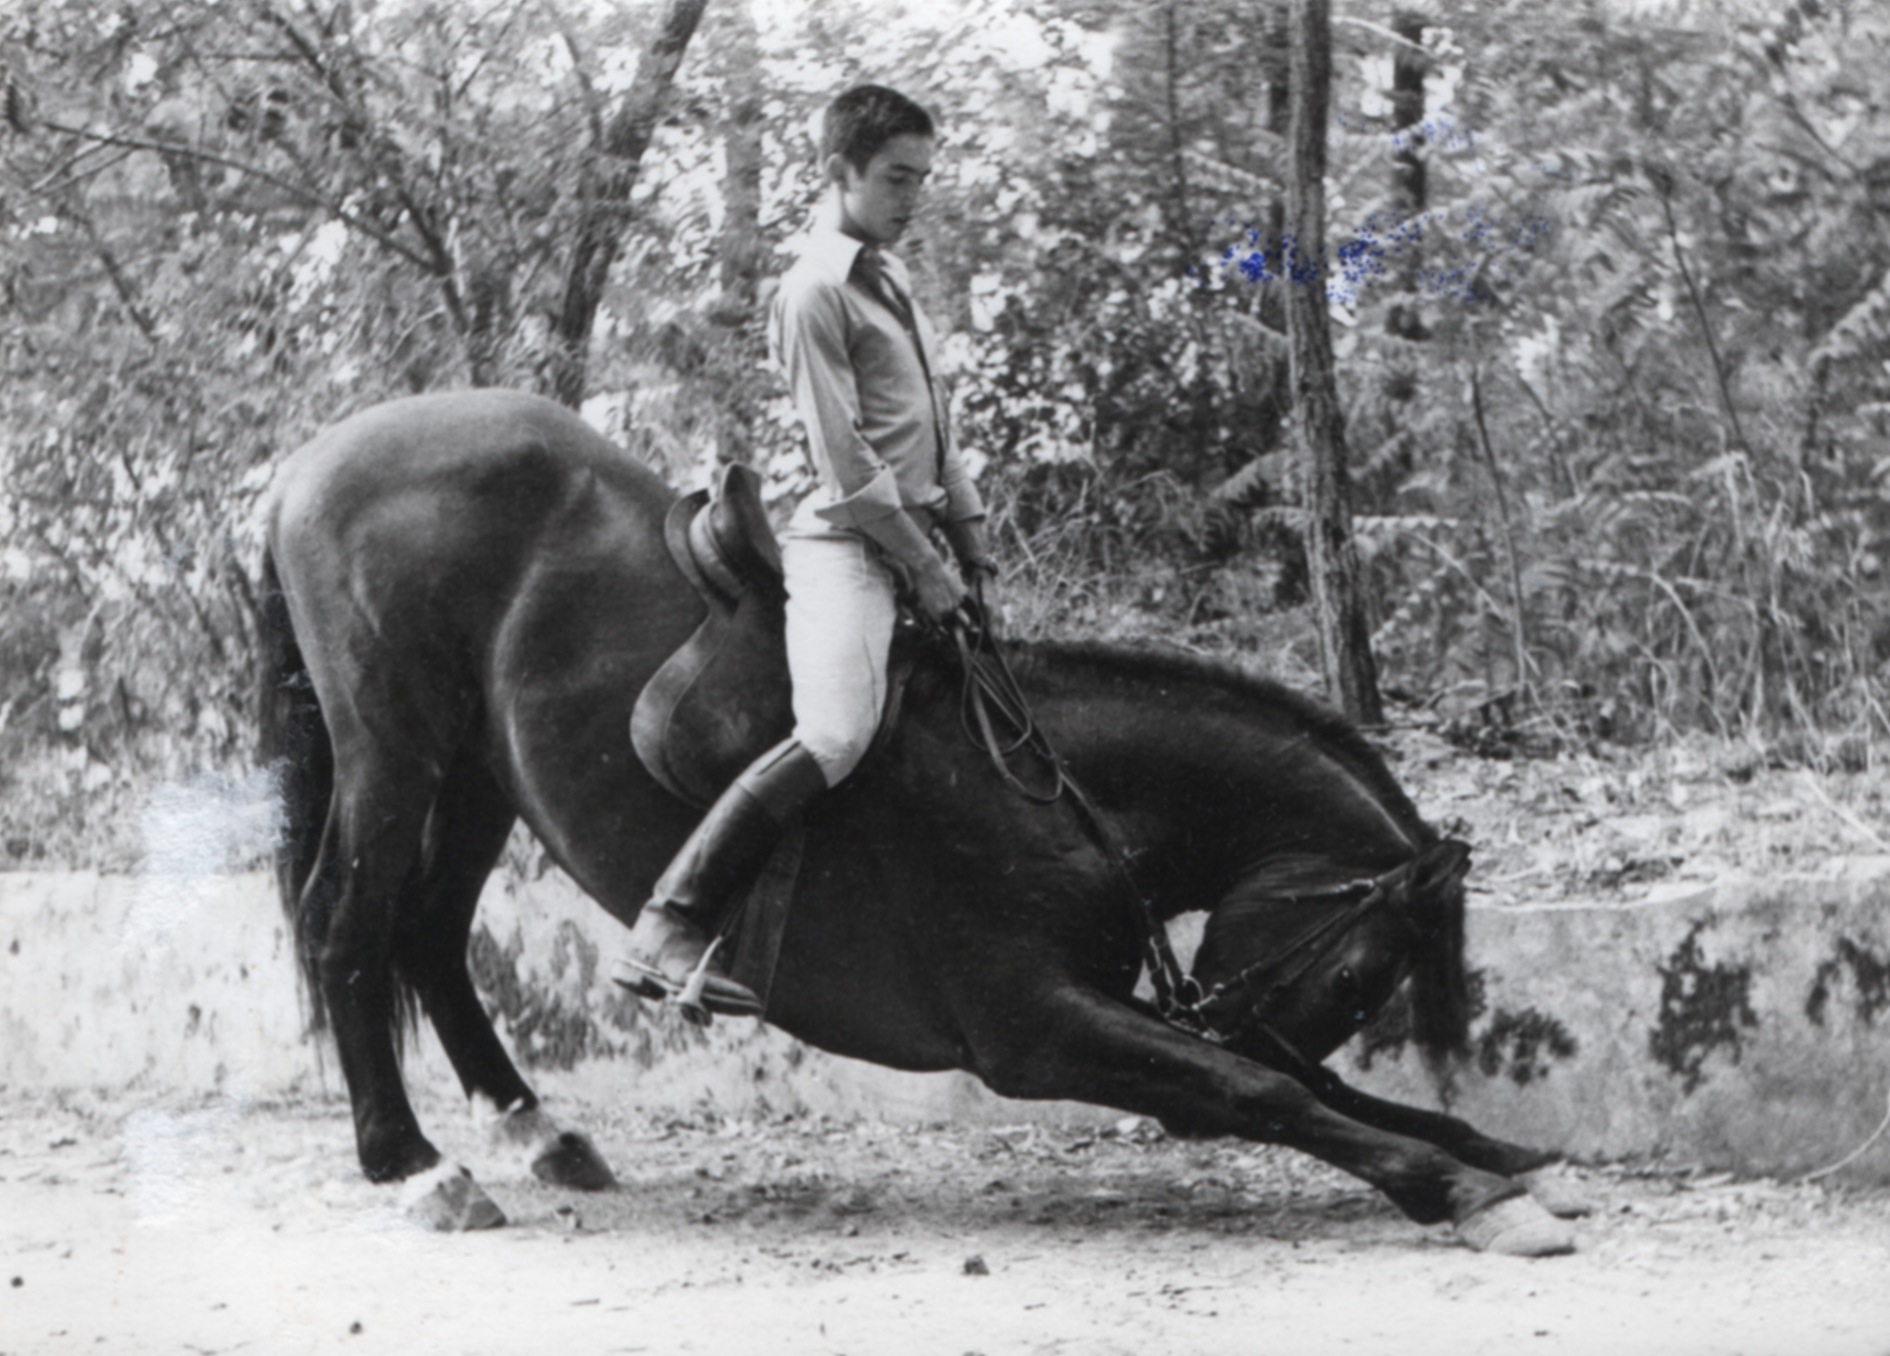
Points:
x=810, y=346
x=962, y=500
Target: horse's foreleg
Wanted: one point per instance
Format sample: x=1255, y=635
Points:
x=1283, y=1050
x=1077, y=1043
x=560, y=1157
x=1457, y=1138
x=1461, y=1140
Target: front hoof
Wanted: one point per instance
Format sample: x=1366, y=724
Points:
x=1516, y=1227
x=447, y=1199
x=571, y=1160
x=1558, y=1191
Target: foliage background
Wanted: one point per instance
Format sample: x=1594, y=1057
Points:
x=1617, y=381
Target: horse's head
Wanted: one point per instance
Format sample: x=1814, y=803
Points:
x=1265, y=808
x=1307, y=969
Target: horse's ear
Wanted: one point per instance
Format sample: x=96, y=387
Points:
x=1439, y=868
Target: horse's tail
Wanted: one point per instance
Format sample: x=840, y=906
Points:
x=1440, y=980
x=296, y=749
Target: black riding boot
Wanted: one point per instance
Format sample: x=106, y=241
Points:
x=673, y=947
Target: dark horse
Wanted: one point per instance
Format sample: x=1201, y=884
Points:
x=464, y=594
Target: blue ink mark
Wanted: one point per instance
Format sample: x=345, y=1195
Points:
x=1363, y=258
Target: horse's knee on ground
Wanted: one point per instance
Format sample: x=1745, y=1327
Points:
x=558, y=1157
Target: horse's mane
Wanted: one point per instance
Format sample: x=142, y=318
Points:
x=1074, y=664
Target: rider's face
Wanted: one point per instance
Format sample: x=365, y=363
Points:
x=878, y=203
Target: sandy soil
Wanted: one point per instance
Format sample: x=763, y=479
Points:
x=215, y=1228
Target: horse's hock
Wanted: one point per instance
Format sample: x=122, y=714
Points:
x=1742, y=1026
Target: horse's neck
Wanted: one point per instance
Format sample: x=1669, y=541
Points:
x=1210, y=784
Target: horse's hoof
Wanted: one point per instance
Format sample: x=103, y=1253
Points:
x=562, y=1158
x=1556, y=1191
x=447, y=1199
x=1516, y=1227
x=571, y=1160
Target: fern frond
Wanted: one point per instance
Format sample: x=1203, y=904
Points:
x=1861, y=332
x=1212, y=173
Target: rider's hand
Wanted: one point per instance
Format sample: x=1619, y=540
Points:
x=984, y=588
x=939, y=593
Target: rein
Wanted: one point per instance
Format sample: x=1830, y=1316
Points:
x=992, y=699
x=991, y=696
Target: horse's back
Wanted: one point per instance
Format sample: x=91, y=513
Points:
x=483, y=465
x=457, y=496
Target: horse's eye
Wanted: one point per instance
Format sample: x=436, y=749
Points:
x=1346, y=977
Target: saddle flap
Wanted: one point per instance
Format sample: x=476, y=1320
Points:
x=717, y=702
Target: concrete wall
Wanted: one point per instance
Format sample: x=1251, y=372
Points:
x=1741, y=1026
x=1744, y=1025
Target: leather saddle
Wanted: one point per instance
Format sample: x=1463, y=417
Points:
x=723, y=698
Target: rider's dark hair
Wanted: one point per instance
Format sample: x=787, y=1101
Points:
x=863, y=119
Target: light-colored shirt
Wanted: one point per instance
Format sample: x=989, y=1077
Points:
x=865, y=388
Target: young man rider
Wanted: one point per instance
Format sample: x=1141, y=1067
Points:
x=859, y=360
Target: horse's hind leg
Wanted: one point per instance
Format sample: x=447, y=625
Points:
x=370, y=844
x=465, y=835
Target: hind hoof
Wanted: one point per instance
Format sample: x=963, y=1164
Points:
x=571, y=1160
x=446, y=1199
x=1516, y=1227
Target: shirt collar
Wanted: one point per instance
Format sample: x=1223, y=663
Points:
x=833, y=251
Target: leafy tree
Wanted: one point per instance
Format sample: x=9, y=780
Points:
x=1612, y=385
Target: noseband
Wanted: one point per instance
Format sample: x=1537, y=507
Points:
x=1281, y=972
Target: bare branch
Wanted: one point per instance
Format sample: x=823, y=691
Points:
x=121, y=281
x=301, y=194
x=580, y=70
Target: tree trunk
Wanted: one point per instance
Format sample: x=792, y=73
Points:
x=1272, y=305
x=605, y=195
x=1280, y=123
x=1344, y=631
x=1410, y=191
x=743, y=250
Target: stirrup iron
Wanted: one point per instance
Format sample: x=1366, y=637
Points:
x=688, y=999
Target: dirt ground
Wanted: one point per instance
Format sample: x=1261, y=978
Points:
x=212, y=1228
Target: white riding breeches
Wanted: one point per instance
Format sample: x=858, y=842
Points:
x=840, y=612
